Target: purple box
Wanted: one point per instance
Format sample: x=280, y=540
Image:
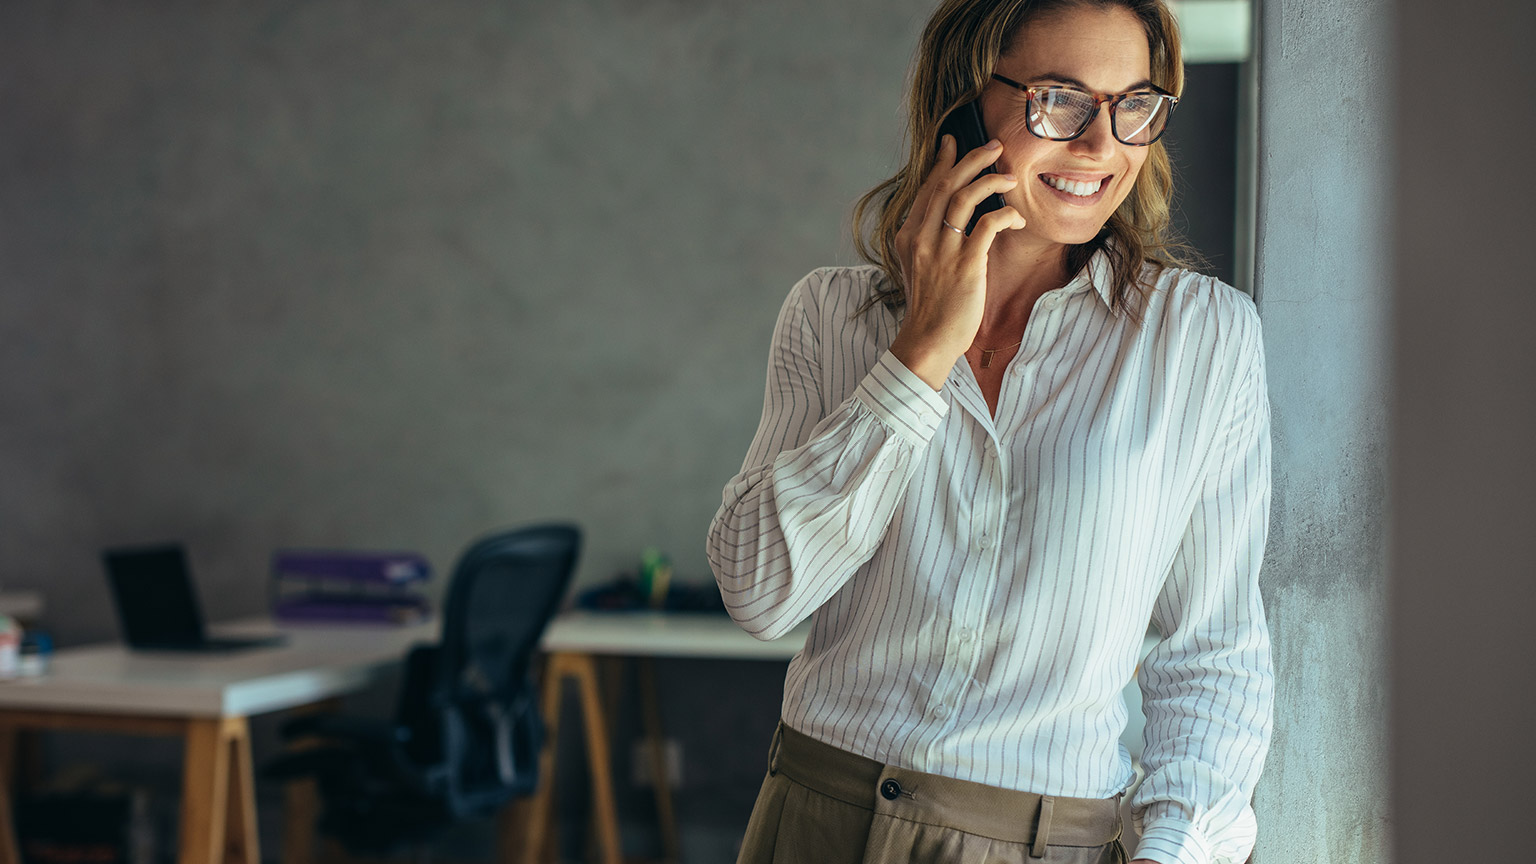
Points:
x=349, y=586
x=394, y=568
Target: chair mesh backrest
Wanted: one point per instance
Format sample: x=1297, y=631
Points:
x=504, y=591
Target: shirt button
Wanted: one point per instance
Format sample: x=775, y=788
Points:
x=941, y=712
x=965, y=636
x=984, y=542
x=890, y=790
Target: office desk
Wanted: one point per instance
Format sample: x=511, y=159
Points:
x=572, y=645
x=205, y=699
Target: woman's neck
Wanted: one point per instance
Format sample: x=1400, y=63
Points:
x=1018, y=273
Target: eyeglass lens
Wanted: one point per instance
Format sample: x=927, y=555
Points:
x=1060, y=113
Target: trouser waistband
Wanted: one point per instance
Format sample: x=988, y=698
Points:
x=975, y=808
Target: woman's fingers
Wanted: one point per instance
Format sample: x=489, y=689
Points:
x=931, y=238
x=971, y=163
x=955, y=178
x=989, y=226
x=943, y=162
x=948, y=176
x=909, y=236
x=964, y=202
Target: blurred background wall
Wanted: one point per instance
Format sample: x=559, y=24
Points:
x=393, y=274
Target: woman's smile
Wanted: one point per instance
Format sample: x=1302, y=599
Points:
x=1075, y=189
x=1077, y=184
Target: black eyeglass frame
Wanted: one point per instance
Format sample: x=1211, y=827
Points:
x=1098, y=100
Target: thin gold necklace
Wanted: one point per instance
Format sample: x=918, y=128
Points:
x=986, y=353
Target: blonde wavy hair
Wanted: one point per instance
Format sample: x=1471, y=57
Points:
x=959, y=50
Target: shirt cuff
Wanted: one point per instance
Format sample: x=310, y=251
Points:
x=901, y=400
x=1173, y=841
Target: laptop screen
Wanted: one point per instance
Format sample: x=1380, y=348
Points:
x=155, y=601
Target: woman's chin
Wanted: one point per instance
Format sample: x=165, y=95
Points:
x=1039, y=230
x=1075, y=235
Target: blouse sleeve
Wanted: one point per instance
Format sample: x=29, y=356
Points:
x=1208, y=686
x=819, y=486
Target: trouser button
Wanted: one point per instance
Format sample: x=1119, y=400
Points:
x=891, y=790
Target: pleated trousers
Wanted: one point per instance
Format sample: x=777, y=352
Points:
x=823, y=805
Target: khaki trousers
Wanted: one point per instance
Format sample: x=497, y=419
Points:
x=822, y=805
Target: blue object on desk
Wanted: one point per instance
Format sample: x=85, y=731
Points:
x=625, y=594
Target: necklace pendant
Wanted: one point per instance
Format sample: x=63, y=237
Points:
x=986, y=357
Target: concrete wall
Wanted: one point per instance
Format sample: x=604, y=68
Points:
x=395, y=274
x=1322, y=289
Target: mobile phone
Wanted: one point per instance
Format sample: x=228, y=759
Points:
x=965, y=124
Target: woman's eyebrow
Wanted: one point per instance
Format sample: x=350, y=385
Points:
x=1068, y=79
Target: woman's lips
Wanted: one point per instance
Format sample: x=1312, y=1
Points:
x=1070, y=198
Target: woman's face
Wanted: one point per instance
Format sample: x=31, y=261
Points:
x=1102, y=51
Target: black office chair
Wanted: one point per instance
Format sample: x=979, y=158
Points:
x=466, y=734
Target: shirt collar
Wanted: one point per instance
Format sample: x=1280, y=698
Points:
x=1098, y=275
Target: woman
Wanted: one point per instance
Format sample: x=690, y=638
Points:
x=980, y=545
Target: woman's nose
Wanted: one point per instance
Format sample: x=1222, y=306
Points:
x=1098, y=140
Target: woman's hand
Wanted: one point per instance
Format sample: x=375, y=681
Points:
x=945, y=271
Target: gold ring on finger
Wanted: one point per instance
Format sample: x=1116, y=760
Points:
x=952, y=228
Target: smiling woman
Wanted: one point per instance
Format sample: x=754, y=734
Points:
x=981, y=545
x=1145, y=40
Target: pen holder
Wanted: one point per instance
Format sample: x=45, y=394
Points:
x=655, y=578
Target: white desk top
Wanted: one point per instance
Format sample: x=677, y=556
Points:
x=665, y=634
x=321, y=661
x=316, y=662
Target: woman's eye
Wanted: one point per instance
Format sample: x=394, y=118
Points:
x=1137, y=102
x=1060, y=99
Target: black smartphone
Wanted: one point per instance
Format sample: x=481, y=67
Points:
x=965, y=124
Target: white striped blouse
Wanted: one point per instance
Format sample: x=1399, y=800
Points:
x=979, y=587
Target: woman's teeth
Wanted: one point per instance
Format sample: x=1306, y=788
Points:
x=1082, y=190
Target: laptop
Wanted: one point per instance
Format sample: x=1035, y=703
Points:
x=156, y=604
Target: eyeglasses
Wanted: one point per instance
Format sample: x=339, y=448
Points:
x=1060, y=113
